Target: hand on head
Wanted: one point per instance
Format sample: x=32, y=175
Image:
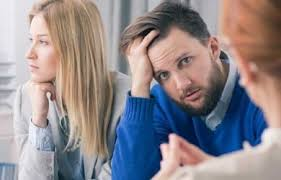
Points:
x=140, y=65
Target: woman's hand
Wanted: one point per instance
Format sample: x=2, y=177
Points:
x=178, y=153
x=39, y=100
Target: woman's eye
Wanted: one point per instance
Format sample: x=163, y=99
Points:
x=43, y=42
x=30, y=39
x=163, y=76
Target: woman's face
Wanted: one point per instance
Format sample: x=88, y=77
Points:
x=41, y=56
x=251, y=79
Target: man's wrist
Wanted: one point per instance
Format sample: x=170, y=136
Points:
x=140, y=91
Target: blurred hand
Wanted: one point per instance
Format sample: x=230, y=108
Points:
x=39, y=101
x=178, y=153
x=141, y=68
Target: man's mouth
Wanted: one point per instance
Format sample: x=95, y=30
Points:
x=192, y=95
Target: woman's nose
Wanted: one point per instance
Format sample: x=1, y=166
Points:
x=30, y=53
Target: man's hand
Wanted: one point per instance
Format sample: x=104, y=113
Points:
x=141, y=68
x=178, y=153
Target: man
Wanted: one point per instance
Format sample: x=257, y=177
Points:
x=198, y=96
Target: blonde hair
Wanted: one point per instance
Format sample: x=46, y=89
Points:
x=83, y=82
x=254, y=28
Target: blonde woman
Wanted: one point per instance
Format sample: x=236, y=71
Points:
x=253, y=32
x=66, y=115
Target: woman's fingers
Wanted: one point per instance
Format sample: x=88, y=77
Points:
x=189, y=153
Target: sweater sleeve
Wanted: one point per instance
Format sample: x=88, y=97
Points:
x=41, y=138
x=136, y=153
x=260, y=125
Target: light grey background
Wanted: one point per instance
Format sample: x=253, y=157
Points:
x=116, y=15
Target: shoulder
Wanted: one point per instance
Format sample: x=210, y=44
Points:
x=121, y=85
x=121, y=82
x=240, y=96
x=252, y=114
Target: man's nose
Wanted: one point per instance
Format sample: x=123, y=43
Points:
x=182, y=81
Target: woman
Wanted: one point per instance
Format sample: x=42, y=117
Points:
x=66, y=115
x=252, y=29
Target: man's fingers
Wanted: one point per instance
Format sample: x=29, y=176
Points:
x=148, y=38
x=141, y=43
x=133, y=45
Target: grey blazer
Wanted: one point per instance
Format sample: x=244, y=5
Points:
x=40, y=165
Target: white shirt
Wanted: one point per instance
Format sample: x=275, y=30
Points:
x=262, y=162
x=215, y=117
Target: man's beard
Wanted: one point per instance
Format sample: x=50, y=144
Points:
x=211, y=94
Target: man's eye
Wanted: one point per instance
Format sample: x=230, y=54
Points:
x=185, y=61
x=163, y=76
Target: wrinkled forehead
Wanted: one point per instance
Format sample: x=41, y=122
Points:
x=172, y=47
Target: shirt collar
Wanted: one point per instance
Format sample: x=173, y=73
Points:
x=216, y=116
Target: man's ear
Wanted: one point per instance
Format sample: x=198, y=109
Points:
x=248, y=70
x=214, y=48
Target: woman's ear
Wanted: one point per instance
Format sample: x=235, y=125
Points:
x=248, y=70
x=214, y=48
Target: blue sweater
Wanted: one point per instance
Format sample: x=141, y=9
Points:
x=146, y=124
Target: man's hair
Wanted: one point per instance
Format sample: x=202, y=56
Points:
x=162, y=18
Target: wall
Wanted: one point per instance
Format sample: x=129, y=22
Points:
x=7, y=83
x=14, y=42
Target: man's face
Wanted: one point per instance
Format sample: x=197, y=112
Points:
x=188, y=71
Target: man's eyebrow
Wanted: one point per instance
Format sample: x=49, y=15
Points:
x=183, y=55
x=180, y=57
